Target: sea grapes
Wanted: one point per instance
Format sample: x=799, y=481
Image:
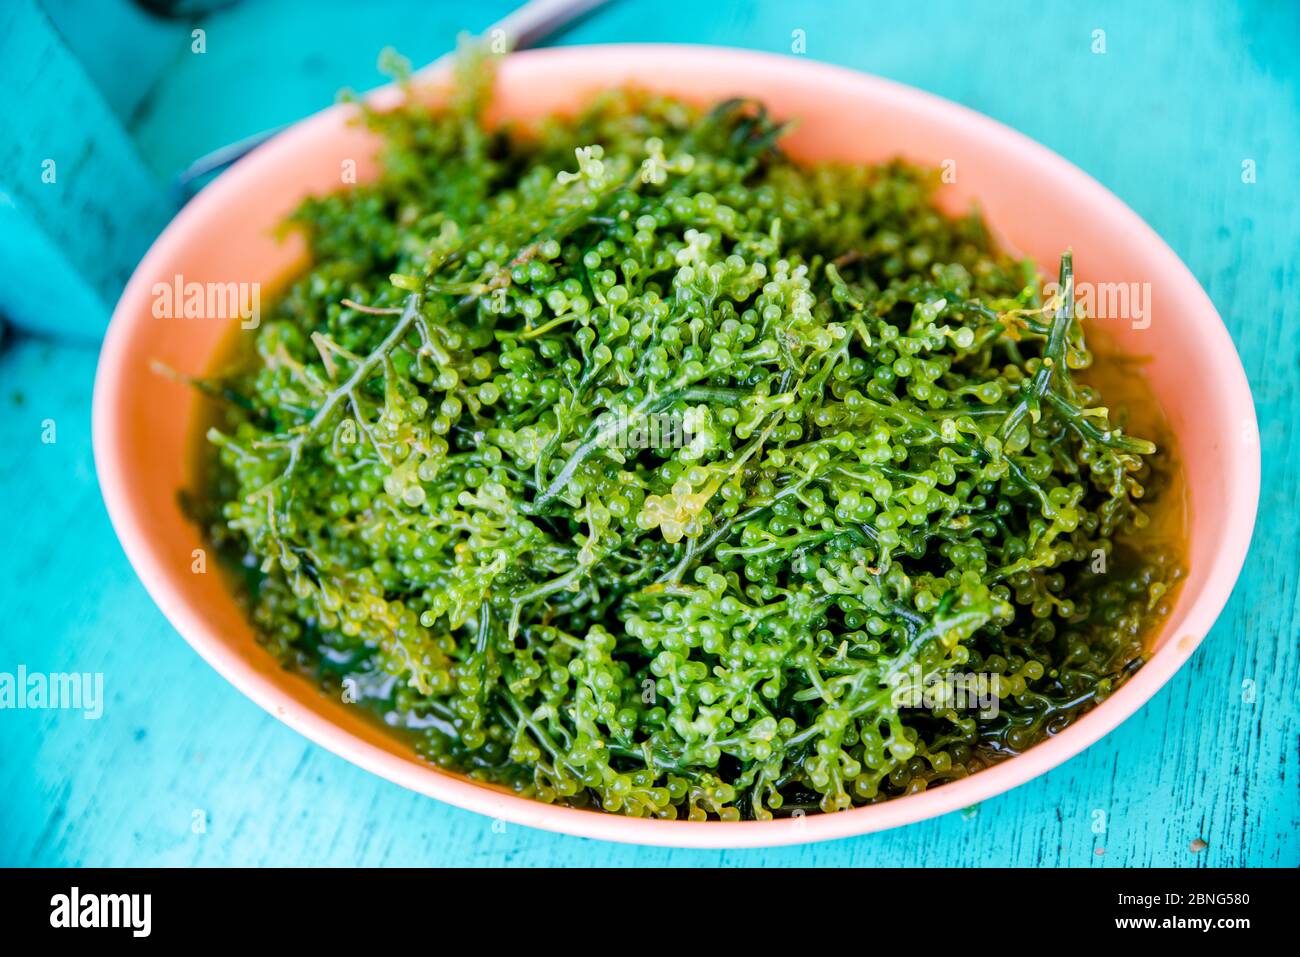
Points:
x=883, y=467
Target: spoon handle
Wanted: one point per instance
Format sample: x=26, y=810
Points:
x=524, y=27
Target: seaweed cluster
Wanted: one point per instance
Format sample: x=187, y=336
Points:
x=882, y=470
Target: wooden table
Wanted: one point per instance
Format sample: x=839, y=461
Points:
x=182, y=769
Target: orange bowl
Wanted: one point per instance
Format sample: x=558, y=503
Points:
x=1037, y=203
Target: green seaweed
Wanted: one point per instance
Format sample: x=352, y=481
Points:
x=886, y=469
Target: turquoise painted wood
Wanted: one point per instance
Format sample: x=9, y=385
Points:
x=181, y=769
x=78, y=206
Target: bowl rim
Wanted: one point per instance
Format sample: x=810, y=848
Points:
x=114, y=480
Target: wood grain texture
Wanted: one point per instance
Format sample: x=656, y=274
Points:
x=1165, y=118
x=78, y=206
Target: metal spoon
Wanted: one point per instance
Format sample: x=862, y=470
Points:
x=520, y=29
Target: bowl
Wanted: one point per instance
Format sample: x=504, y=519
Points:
x=1037, y=204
